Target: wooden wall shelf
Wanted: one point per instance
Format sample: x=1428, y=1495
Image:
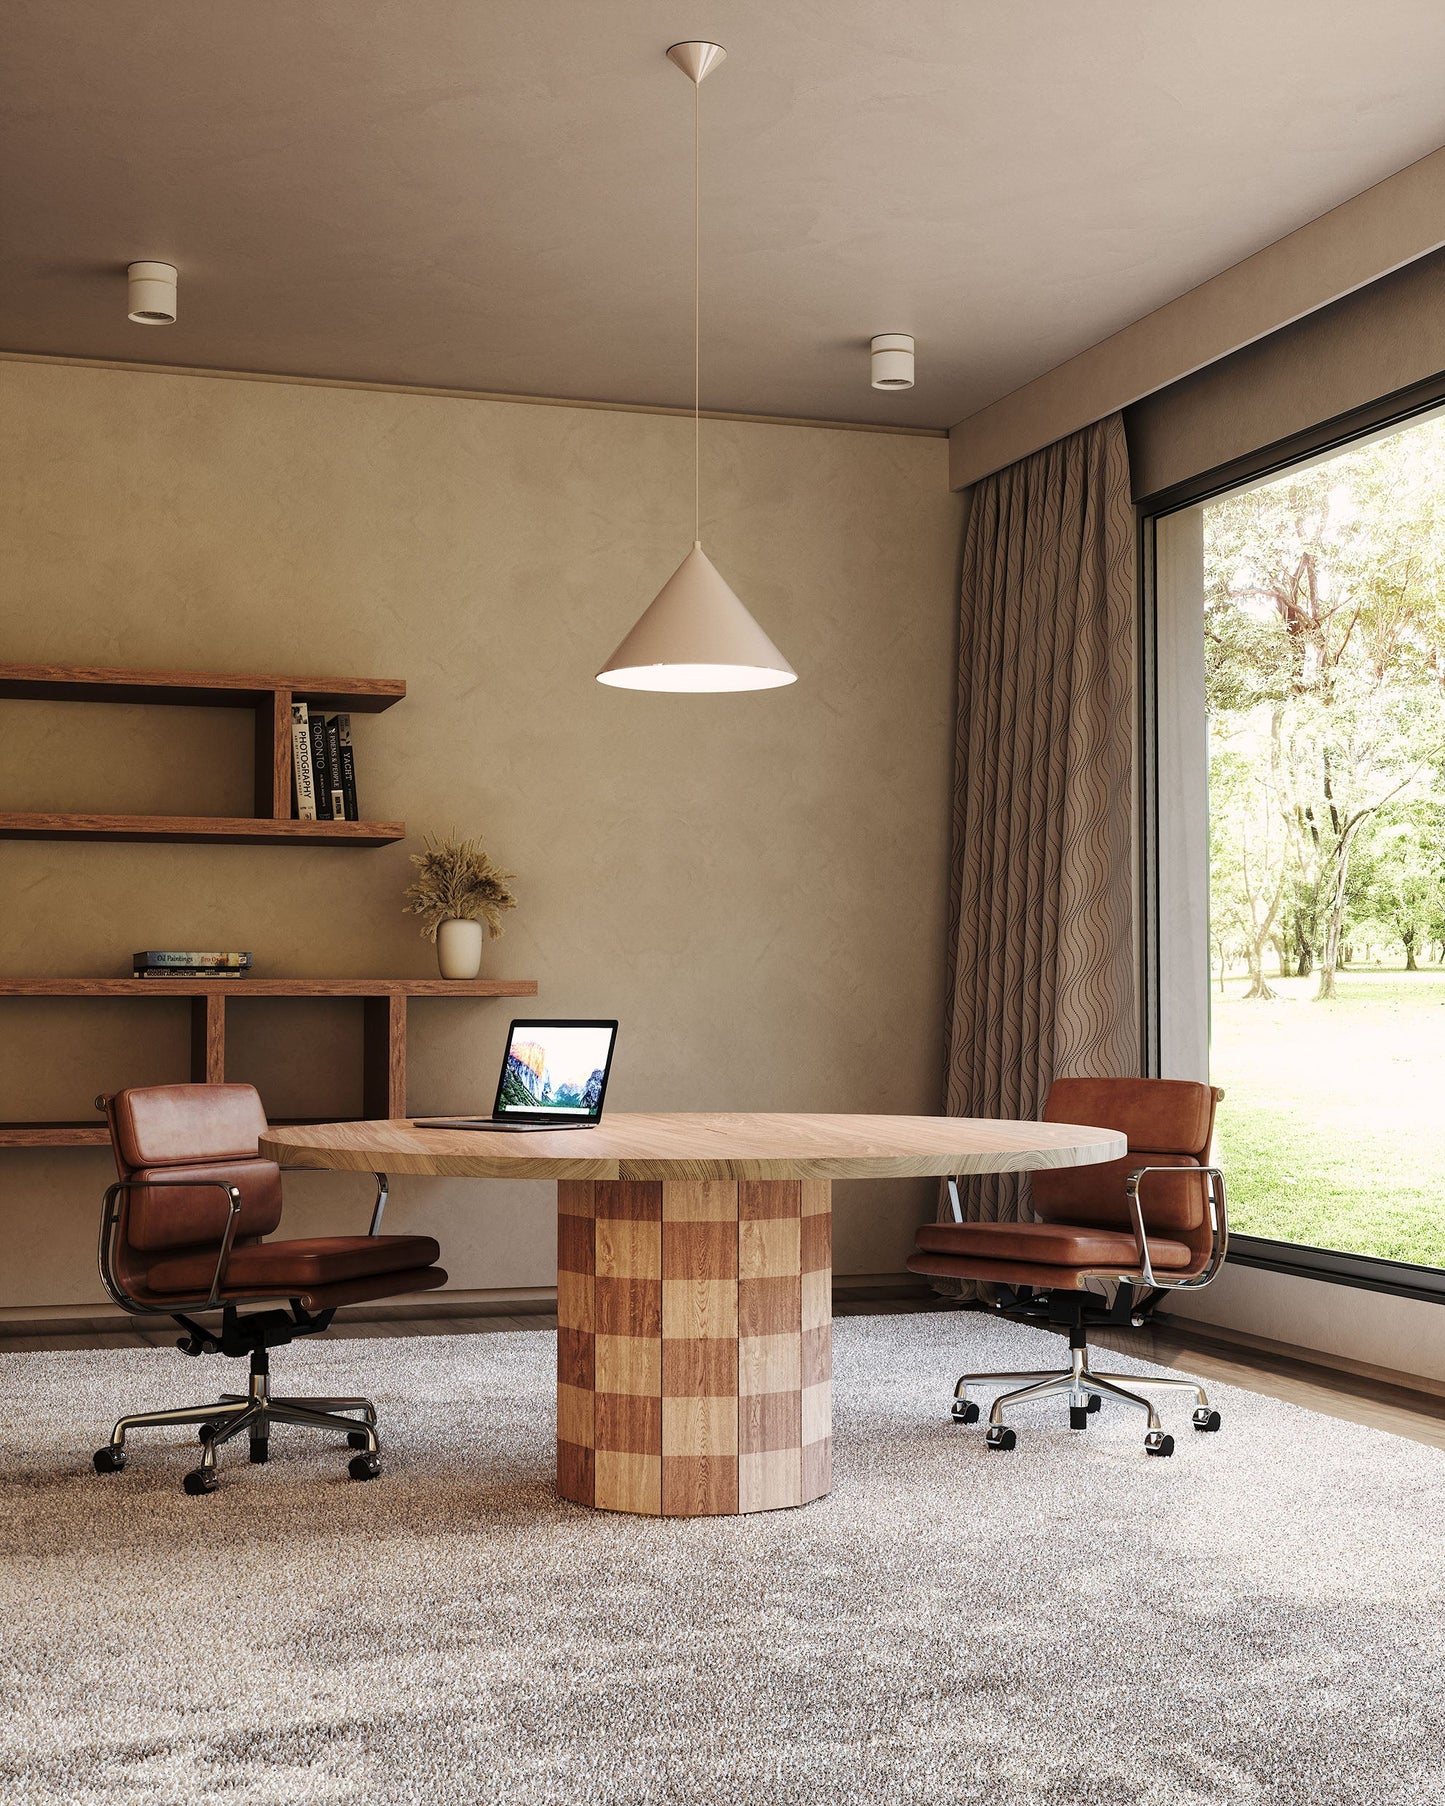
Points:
x=235, y=830
x=270, y=697
x=383, y=1038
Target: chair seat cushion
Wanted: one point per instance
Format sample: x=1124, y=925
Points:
x=1049, y=1245
x=279, y=1267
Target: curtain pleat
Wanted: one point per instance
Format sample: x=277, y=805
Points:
x=1041, y=972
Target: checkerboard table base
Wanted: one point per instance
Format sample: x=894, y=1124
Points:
x=694, y=1344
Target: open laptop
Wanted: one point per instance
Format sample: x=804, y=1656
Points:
x=554, y=1076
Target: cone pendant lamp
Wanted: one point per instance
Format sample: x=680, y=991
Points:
x=696, y=635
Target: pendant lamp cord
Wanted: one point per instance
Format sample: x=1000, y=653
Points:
x=696, y=321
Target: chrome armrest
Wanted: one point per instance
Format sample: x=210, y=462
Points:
x=382, y=1194
x=1218, y=1227
x=111, y=1218
x=953, y=1200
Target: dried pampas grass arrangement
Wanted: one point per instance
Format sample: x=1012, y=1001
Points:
x=456, y=880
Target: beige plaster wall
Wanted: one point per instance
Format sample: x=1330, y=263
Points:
x=754, y=884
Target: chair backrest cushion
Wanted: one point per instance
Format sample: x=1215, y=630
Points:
x=199, y=1132
x=1164, y=1116
x=1168, y=1122
x=181, y=1216
x=178, y=1125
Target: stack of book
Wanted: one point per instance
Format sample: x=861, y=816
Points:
x=323, y=767
x=190, y=965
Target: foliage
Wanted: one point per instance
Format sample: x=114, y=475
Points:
x=1325, y=655
x=457, y=879
x=1404, y=887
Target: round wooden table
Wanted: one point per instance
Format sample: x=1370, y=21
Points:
x=694, y=1278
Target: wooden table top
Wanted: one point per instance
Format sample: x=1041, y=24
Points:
x=723, y=1146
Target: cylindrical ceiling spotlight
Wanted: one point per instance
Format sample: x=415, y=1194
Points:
x=893, y=360
x=152, y=293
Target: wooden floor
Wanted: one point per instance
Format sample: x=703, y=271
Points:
x=1401, y=1411
x=1395, y=1409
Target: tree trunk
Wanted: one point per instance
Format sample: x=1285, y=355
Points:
x=1261, y=930
x=1333, y=952
x=1409, y=940
x=1258, y=984
x=1329, y=964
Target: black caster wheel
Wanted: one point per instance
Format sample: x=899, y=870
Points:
x=206, y=1431
x=260, y=1448
x=364, y=1467
x=109, y=1460
x=201, y=1480
x=1094, y=1402
x=356, y=1439
x=1206, y=1420
x=965, y=1411
x=1078, y=1417
x=1159, y=1445
x=1001, y=1438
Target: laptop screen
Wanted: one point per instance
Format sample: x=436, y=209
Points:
x=556, y=1069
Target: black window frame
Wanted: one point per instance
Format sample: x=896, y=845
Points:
x=1401, y=1279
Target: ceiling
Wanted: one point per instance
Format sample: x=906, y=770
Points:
x=495, y=194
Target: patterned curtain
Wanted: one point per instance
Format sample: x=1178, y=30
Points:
x=1042, y=964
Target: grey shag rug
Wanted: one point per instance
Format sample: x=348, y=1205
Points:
x=1260, y=1619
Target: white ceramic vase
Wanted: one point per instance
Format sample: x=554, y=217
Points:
x=459, y=948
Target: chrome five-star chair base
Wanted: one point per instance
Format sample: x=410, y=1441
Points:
x=252, y=1413
x=1086, y=1389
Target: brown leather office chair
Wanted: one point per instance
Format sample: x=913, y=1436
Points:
x=1109, y=1243
x=184, y=1231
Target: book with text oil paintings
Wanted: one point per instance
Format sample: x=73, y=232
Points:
x=158, y=964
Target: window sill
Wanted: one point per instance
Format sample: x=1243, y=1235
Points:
x=1367, y=1271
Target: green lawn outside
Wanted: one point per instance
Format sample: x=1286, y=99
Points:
x=1332, y=1130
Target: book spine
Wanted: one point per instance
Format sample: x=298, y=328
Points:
x=179, y=973
x=334, y=784
x=189, y=961
x=348, y=767
x=302, y=782
x=319, y=778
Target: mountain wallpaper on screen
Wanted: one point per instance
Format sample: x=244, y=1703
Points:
x=527, y=1081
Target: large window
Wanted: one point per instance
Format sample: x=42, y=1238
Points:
x=1324, y=677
